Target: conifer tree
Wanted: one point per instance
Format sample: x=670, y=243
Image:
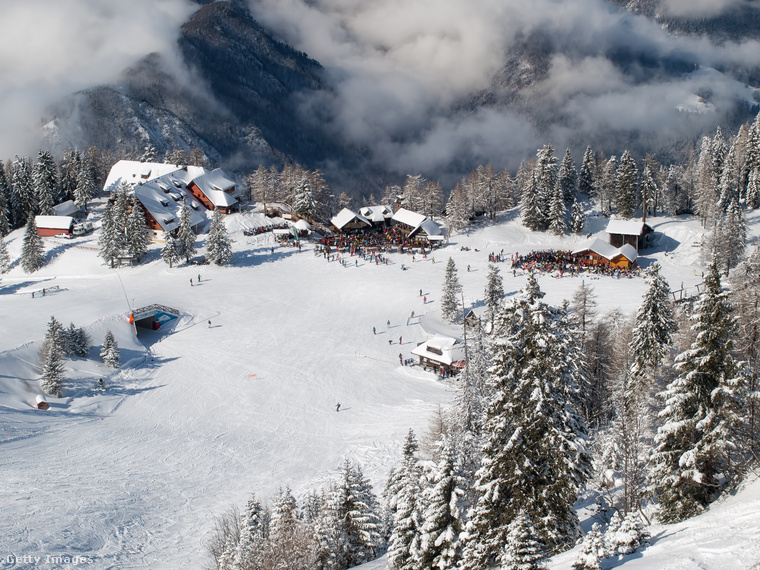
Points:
x=6, y=210
x=694, y=442
x=557, y=213
x=534, y=459
x=67, y=174
x=524, y=550
x=169, y=252
x=568, y=178
x=357, y=519
x=626, y=535
x=137, y=232
x=218, y=245
x=753, y=190
x=32, y=252
x=494, y=293
x=734, y=236
x=53, y=368
x=626, y=186
x=444, y=513
x=305, y=204
x=457, y=214
x=653, y=331
x=592, y=551
x=185, y=241
x=45, y=183
x=109, y=238
x=606, y=186
x=531, y=211
x=5, y=258
x=403, y=494
x=78, y=341
x=121, y=218
x=450, y=304
x=253, y=535
x=649, y=192
x=23, y=200
x=577, y=217
x=84, y=191
x=110, y=351
x=728, y=188
x=546, y=176
x=586, y=174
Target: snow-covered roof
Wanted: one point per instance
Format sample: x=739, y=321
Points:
x=66, y=208
x=442, y=349
x=346, y=216
x=409, y=218
x=626, y=227
x=598, y=246
x=629, y=252
x=302, y=225
x=132, y=172
x=377, y=214
x=432, y=228
x=219, y=189
x=164, y=207
x=54, y=222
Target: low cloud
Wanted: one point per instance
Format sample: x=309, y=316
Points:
x=692, y=9
x=405, y=71
x=52, y=48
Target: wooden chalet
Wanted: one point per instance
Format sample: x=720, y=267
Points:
x=417, y=226
x=162, y=207
x=598, y=252
x=631, y=232
x=54, y=225
x=214, y=190
x=41, y=402
x=441, y=354
x=348, y=221
x=379, y=216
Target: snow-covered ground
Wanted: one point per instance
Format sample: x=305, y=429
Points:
x=198, y=417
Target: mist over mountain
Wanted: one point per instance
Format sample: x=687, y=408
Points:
x=371, y=92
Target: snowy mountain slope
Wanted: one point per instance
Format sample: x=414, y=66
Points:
x=199, y=417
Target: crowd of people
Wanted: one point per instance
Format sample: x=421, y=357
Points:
x=372, y=245
x=561, y=262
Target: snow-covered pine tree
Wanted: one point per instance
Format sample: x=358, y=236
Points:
x=68, y=171
x=5, y=258
x=305, y=203
x=626, y=186
x=626, y=536
x=109, y=238
x=450, y=303
x=121, y=218
x=534, y=459
x=218, y=244
x=586, y=174
x=444, y=513
x=546, y=176
x=568, y=178
x=6, y=211
x=728, y=185
x=494, y=292
x=137, y=231
x=652, y=332
x=185, y=241
x=524, y=549
x=753, y=190
x=254, y=532
x=557, y=213
x=291, y=543
x=746, y=296
x=357, y=517
x=77, y=341
x=606, y=186
x=649, y=191
x=84, y=191
x=695, y=441
x=404, y=502
x=751, y=155
x=592, y=551
x=169, y=252
x=53, y=368
x=45, y=183
x=23, y=200
x=32, y=251
x=577, y=217
x=531, y=211
x=733, y=238
x=110, y=351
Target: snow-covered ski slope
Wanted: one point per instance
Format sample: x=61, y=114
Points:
x=198, y=417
